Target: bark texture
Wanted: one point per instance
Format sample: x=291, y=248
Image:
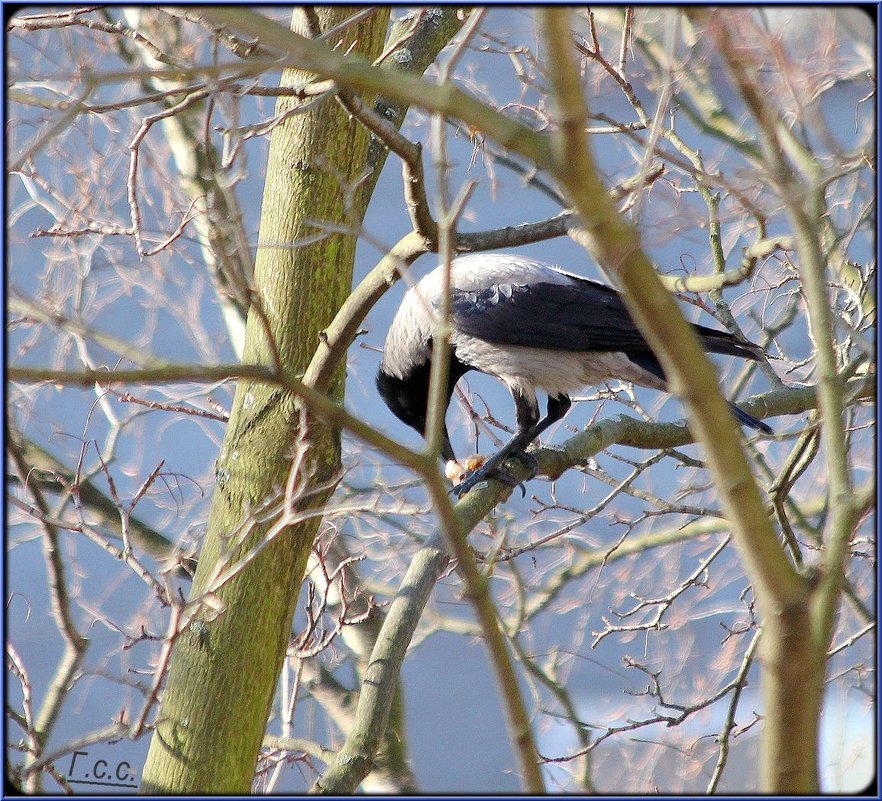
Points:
x=225, y=665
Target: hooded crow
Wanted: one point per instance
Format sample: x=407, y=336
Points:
x=534, y=327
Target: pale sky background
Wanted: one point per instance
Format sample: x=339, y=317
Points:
x=455, y=728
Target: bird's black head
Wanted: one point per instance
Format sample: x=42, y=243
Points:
x=407, y=397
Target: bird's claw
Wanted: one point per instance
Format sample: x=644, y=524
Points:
x=490, y=469
x=530, y=461
x=471, y=480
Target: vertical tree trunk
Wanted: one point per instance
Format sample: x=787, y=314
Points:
x=224, y=668
x=794, y=666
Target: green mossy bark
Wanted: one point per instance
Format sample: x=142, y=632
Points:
x=224, y=668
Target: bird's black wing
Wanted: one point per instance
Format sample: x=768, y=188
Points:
x=578, y=316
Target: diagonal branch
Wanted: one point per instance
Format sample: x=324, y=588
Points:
x=615, y=245
x=357, y=74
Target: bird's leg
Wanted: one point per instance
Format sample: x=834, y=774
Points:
x=557, y=407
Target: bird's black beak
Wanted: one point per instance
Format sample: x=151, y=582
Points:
x=447, y=448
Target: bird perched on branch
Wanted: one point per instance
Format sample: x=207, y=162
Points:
x=534, y=327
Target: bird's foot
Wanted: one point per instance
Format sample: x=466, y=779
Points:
x=471, y=480
x=476, y=469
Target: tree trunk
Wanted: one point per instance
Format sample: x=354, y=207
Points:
x=225, y=665
x=794, y=666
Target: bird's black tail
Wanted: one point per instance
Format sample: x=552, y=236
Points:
x=715, y=342
x=727, y=344
x=749, y=420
